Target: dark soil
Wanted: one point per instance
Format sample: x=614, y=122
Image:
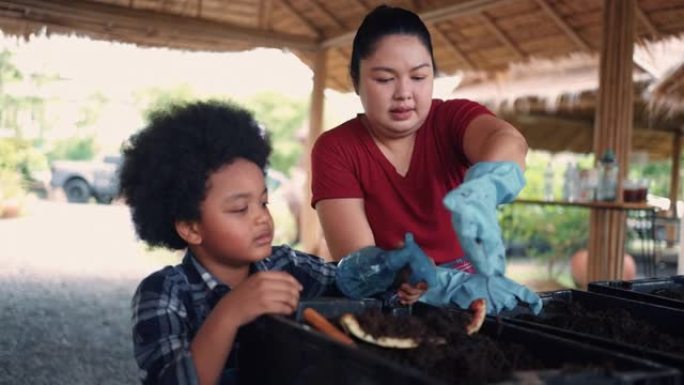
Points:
x=374, y=322
x=614, y=324
x=673, y=292
x=464, y=359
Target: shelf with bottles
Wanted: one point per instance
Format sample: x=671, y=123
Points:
x=590, y=204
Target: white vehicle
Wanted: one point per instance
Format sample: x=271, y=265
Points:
x=82, y=180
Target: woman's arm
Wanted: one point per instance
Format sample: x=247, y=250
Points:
x=345, y=225
x=489, y=138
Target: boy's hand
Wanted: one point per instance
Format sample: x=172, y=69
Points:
x=266, y=292
x=410, y=294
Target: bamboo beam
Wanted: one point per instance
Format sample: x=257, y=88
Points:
x=311, y=233
x=674, y=176
x=321, y=8
x=123, y=24
x=643, y=18
x=429, y=17
x=563, y=25
x=290, y=8
x=453, y=47
x=502, y=36
x=613, y=129
x=265, y=9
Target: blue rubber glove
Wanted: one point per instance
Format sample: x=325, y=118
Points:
x=372, y=270
x=473, y=212
x=457, y=287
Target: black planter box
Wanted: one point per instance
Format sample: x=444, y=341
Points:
x=664, y=319
x=643, y=290
x=282, y=351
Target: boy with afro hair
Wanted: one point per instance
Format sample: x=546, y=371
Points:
x=194, y=179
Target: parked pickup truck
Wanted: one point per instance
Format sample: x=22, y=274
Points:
x=82, y=180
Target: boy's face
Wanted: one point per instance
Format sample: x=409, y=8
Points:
x=236, y=227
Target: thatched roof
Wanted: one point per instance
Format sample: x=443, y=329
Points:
x=554, y=105
x=482, y=35
x=669, y=91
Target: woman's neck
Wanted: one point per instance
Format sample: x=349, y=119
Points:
x=398, y=150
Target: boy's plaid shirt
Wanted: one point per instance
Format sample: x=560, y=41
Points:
x=171, y=304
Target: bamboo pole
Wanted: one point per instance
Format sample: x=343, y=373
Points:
x=311, y=233
x=674, y=176
x=613, y=129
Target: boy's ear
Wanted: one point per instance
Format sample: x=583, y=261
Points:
x=189, y=231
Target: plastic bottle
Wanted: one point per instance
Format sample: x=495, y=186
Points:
x=548, y=183
x=607, y=173
x=571, y=183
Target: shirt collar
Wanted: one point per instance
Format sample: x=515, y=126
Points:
x=212, y=282
x=192, y=264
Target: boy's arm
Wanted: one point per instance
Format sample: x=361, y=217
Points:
x=161, y=335
x=165, y=347
x=316, y=276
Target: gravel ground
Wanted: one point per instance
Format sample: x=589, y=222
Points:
x=67, y=277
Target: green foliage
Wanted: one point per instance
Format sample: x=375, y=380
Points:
x=157, y=98
x=18, y=162
x=91, y=110
x=552, y=233
x=657, y=172
x=8, y=71
x=76, y=148
x=283, y=118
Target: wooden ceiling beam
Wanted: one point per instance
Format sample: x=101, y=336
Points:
x=429, y=17
x=563, y=25
x=286, y=4
x=265, y=9
x=89, y=17
x=643, y=18
x=453, y=48
x=321, y=8
x=363, y=4
x=502, y=36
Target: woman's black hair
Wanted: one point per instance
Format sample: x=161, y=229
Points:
x=167, y=164
x=380, y=22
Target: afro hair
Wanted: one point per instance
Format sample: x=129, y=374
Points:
x=167, y=164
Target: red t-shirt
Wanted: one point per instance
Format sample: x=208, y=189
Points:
x=346, y=163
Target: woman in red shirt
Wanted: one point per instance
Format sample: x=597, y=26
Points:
x=386, y=172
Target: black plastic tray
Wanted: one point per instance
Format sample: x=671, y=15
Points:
x=278, y=350
x=665, y=319
x=642, y=290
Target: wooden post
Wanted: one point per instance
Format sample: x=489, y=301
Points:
x=311, y=233
x=613, y=129
x=674, y=176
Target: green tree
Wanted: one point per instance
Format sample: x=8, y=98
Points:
x=657, y=172
x=91, y=110
x=75, y=148
x=156, y=98
x=283, y=118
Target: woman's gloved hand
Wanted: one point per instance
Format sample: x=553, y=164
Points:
x=372, y=270
x=456, y=287
x=473, y=212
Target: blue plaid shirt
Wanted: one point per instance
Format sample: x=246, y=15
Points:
x=171, y=304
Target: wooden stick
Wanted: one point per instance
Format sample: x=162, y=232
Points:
x=324, y=326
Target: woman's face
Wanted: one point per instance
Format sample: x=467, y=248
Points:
x=395, y=85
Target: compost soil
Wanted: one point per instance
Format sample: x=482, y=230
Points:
x=463, y=359
x=614, y=324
